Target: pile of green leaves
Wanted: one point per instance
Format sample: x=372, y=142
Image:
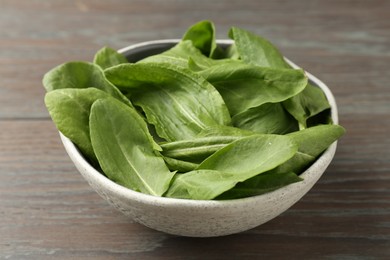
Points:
x=197, y=121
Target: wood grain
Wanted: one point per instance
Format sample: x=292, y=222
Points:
x=48, y=211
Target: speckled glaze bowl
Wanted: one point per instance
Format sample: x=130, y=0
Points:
x=199, y=218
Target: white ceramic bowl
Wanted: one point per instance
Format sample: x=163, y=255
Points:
x=200, y=218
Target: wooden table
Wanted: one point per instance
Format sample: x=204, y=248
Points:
x=48, y=211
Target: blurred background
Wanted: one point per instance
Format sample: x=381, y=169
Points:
x=319, y=35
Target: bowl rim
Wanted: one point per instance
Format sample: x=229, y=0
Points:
x=97, y=177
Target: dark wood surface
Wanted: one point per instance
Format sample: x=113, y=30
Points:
x=48, y=211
